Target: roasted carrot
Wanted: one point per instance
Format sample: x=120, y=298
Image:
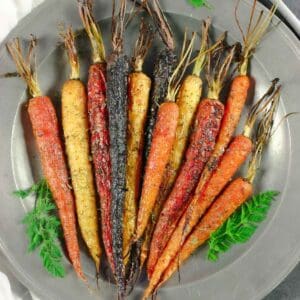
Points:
x=239, y=89
x=98, y=123
x=75, y=127
x=161, y=146
x=138, y=98
x=117, y=86
x=187, y=101
x=201, y=146
x=233, y=196
x=47, y=137
x=233, y=158
x=163, y=67
x=163, y=139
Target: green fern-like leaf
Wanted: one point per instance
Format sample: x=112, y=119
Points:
x=241, y=225
x=200, y=3
x=43, y=228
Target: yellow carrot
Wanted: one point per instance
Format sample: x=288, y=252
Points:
x=75, y=127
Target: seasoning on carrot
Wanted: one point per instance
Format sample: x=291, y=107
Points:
x=237, y=192
x=46, y=132
x=75, y=127
x=187, y=101
x=206, y=128
x=117, y=85
x=138, y=98
x=98, y=123
x=163, y=140
x=234, y=157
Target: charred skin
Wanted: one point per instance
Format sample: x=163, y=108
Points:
x=98, y=121
x=117, y=81
x=163, y=69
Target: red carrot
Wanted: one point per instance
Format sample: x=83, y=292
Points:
x=206, y=127
x=98, y=121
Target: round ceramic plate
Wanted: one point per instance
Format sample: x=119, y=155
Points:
x=248, y=271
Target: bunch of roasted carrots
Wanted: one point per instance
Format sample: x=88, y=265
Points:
x=159, y=158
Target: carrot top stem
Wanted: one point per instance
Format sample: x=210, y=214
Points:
x=118, y=27
x=160, y=20
x=142, y=46
x=258, y=108
x=179, y=71
x=69, y=40
x=255, y=32
x=264, y=132
x=218, y=71
x=24, y=64
x=93, y=30
x=201, y=57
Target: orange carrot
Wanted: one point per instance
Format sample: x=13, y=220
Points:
x=46, y=132
x=162, y=142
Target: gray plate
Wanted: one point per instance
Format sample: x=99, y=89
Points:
x=249, y=271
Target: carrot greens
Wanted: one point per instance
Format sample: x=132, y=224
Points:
x=43, y=227
x=241, y=226
x=200, y=3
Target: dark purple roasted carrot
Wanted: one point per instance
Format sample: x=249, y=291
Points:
x=233, y=158
x=117, y=87
x=98, y=123
x=232, y=198
x=163, y=68
x=201, y=146
x=46, y=132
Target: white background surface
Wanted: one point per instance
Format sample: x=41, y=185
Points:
x=10, y=12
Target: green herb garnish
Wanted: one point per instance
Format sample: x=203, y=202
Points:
x=43, y=227
x=240, y=227
x=200, y=3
